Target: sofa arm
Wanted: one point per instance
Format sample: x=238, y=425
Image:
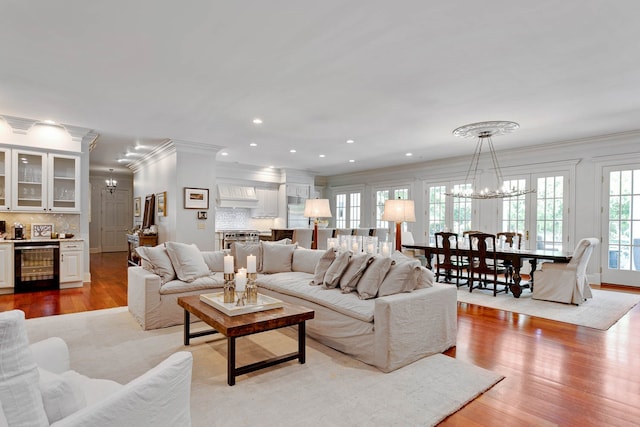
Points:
x=160, y=397
x=51, y=354
x=143, y=293
x=410, y=326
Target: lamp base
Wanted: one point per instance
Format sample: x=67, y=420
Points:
x=398, y=237
x=314, y=237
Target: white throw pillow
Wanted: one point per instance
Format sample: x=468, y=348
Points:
x=187, y=260
x=372, y=278
x=60, y=397
x=277, y=258
x=19, y=392
x=336, y=269
x=402, y=277
x=322, y=266
x=156, y=260
x=356, y=268
x=425, y=278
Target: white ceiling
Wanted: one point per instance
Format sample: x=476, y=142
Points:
x=395, y=76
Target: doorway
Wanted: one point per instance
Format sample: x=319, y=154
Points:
x=115, y=208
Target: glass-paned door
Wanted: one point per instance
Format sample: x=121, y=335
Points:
x=348, y=209
x=447, y=213
x=621, y=248
x=341, y=211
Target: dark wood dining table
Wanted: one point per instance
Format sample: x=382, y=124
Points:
x=515, y=256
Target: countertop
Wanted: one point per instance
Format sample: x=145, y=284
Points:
x=72, y=239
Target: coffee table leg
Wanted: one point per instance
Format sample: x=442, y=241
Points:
x=231, y=360
x=301, y=344
x=187, y=323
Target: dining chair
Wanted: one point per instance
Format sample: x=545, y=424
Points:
x=484, y=263
x=514, y=241
x=382, y=234
x=451, y=262
x=303, y=237
x=323, y=235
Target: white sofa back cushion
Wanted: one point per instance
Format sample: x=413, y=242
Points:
x=277, y=258
x=214, y=260
x=305, y=260
x=60, y=397
x=187, y=261
x=156, y=260
x=19, y=392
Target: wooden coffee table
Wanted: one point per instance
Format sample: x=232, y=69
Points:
x=246, y=324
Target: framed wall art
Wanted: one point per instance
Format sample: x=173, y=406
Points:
x=196, y=198
x=41, y=231
x=137, y=206
x=161, y=203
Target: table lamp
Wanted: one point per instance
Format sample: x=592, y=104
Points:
x=316, y=208
x=399, y=211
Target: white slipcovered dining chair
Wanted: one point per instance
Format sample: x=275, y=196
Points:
x=323, y=235
x=566, y=283
x=303, y=237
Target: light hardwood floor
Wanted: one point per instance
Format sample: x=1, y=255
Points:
x=556, y=373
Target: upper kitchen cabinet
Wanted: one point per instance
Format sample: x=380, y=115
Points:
x=298, y=190
x=267, y=203
x=45, y=182
x=5, y=178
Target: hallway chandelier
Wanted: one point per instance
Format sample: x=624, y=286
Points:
x=111, y=183
x=484, y=131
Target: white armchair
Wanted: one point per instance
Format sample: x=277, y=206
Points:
x=38, y=388
x=566, y=283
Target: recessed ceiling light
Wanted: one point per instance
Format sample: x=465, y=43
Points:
x=321, y=155
x=408, y=154
x=49, y=122
x=257, y=121
x=271, y=166
x=253, y=144
x=292, y=150
x=352, y=161
x=224, y=153
x=122, y=160
x=129, y=154
x=350, y=141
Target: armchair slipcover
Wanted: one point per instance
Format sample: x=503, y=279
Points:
x=566, y=283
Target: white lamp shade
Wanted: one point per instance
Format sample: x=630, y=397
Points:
x=398, y=210
x=317, y=208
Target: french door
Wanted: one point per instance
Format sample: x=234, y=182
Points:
x=621, y=225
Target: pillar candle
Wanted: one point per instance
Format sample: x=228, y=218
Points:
x=241, y=279
x=251, y=264
x=228, y=264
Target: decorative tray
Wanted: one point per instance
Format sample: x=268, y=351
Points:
x=216, y=300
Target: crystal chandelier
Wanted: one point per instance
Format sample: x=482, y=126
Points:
x=484, y=131
x=111, y=183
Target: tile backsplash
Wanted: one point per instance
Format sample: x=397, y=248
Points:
x=240, y=219
x=62, y=223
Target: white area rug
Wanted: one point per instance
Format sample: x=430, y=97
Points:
x=331, y=389
x=600, y=312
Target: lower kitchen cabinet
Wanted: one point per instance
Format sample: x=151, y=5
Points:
x=71, y=264
x=6, y=267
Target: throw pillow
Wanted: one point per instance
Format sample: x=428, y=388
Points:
x=425, y=278
x=214, y=260
x=373, y=276
x=305, y=260
x=336, y=269
x=402, y=277
x=357, y=266
x=187, y=261
x=156, y=260
x=19, y=374
x=276, y=258
x=241, y=250
x=322, y=266
x=59, y=396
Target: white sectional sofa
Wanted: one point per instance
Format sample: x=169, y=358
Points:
x=415, y=317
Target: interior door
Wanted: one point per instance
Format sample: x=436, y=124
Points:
x=116, y=219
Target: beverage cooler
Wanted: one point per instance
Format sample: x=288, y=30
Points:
x=37, y=266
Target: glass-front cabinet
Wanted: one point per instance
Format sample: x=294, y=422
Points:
x=45, y=182
x=5, y=178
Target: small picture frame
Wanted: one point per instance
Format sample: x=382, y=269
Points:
x=41, y=231
x=196, y=198
x=161, y=203
x=202, y=214
x=137, y=206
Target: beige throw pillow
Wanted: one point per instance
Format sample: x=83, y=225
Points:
x=373, y=276
x=425, y=278
x=214, y=260
x=187, y=261
x=276, y=258
x=240, y=251
x=157, y=261
x=402, y=277
x=322, y=266
x=357, y=266
x=336, y=269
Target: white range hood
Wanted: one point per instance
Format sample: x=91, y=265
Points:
x=236, y=196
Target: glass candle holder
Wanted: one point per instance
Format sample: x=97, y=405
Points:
x=370, y=245
x=229, y=288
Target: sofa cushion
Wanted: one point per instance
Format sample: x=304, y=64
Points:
x=95, y=389
x=323, y=265
x=19, y=392
x=276, y=258
x=305, y=260
x=373, y=276
x=214, y=260
x=212, y=281
x=187, y=261
x=60, y=397
x=425, y=278
x=295, y=284
x=241, y=250
x=336, y=269
x=156, y=260
x=357, y=266
x=402, y=277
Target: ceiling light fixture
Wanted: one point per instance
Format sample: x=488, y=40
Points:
x=224, y=153
x=292, y=150
x=408, y=154
x=484, y=131
x=321, y=155
x=111, y=183
x=257, y=121
x=350, y=141
x=253, y=144
x=352, y=161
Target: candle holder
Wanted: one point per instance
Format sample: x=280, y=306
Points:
x=229, y=288
x=251, y=291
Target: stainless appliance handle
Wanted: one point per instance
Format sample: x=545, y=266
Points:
x=20, y=248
